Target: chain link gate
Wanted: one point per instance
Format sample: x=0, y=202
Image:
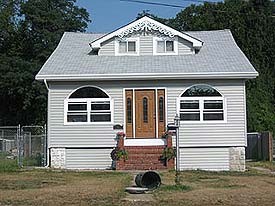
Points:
x=26, y=144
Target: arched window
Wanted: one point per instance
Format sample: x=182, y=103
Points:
x=88, y=104
x=88, y=92
x=201, y=103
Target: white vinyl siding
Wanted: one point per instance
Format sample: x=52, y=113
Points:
x=204, y=159
x=230, y=133
x=61, y=135
x=185, y=47
x=224, y=134
x=145, y=46
x=107, y=48
x=88, y=158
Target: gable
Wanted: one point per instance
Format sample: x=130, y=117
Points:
x=146, y=25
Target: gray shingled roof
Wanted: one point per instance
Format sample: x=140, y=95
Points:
x=219, y=57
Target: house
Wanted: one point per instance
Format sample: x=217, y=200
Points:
x=136, y=79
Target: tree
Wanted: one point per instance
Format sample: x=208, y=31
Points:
x=30, y=31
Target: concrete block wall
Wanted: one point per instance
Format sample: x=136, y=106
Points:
x=237, y=158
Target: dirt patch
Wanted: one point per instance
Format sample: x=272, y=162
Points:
x=46, y=187
x=62, y=188
x=220, y=189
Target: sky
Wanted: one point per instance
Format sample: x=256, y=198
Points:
x=108, y=15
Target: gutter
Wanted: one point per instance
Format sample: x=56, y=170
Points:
x=48, y=150
x=150, y=76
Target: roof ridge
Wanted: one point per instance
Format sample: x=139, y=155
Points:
x=85, y=33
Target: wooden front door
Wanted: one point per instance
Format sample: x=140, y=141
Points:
x=145, y=114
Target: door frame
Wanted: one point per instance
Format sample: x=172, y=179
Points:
x=134, y=115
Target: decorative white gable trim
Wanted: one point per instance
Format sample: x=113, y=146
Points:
x=146, y=24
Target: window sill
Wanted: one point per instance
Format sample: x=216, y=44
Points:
x=127, y=54
x=165, y=54
x=87, y=123
x=204, y=122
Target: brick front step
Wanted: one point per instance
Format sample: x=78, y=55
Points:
x=144, y=157
x=144, y=167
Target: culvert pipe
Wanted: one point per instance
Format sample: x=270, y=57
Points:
x=149, y=179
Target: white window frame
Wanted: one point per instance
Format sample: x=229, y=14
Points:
x=201, y=108
x=155, y=43
x=88, y=101
x=135, y=39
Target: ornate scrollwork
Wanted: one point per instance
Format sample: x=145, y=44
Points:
x=146, y=26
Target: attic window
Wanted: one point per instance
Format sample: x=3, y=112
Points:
x=127, y=47
x=165, y=46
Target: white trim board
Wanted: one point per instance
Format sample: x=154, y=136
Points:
x=145, y=142
x=149, y=76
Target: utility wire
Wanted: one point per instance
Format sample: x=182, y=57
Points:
x=178, y=6
x=167, y=5
x=155, y=3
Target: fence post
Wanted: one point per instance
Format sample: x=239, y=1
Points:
x=260, y=156
x=19, y=145
x=270, y=139
x=46, y=159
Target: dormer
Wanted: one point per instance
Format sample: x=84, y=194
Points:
x=145, y=36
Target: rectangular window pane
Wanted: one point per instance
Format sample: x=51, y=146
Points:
x=169, y=46
x=77, y=117
x=100, y=117
x=77, y=107
x=190, y=116
x=100, y=106
x=213, y=116
x=131, y=46
x=213, y=104
x=160, y=46
x=189, y=104
x=122, y=47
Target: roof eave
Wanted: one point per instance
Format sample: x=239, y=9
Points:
x=134, y=76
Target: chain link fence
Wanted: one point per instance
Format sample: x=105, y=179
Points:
x=25, y=144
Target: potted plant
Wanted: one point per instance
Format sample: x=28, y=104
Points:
x=118, y=154
x=168, y=153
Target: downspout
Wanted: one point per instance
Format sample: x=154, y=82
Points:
x=46, y=129
x=46, y=84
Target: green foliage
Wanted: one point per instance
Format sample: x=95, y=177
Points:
x=118, y=154
x=6, y=164
x=29, y=32
x=172, y=188
x=168, y=153
x=34, y=160
x=122, y=154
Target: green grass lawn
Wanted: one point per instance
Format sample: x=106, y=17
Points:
x=267, y=165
